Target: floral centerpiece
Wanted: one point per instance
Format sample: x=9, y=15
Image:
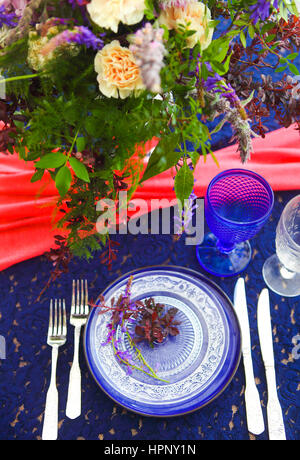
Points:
x=87, y=81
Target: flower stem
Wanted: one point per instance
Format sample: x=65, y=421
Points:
x=73, y=144
x=20, y=77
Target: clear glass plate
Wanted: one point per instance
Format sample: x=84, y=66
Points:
x=198, y=363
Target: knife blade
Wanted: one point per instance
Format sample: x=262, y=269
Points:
x=274, y=411
x=255, y=420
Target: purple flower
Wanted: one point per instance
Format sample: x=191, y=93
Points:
x=182, y=222
x=75, y=3
x=217, y=84
x=79, y=35
x=128, y=370
x=108, y=338
x=83, y=36
x=261, y=10
x=7, y=19
x=125, y=356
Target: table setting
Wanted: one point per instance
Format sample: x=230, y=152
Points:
x=226, y=417
x=182, y=119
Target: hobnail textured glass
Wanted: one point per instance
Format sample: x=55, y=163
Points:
x=237, y=204
x=281, y=271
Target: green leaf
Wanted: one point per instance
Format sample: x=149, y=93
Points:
x=293, y=8
x=184, y=183
x=63, y=180
x=37, y=176
x=204, y=71
x=243, y=39
x=79, y=169
x=280, y=69
x=163, y=157
x=251, y=31
x=51, y=161
x=227, y=63
x=194, y=157
x=294, y=69
x=19, y=124
x=270, y=38
x=266, y=27
x=249, y=99
x=80, y=144
x=240, y=22
x=292, y=56
x=218, y=67
x=218, y=49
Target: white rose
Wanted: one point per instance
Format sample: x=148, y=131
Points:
x=197, y=15
x=109, y=13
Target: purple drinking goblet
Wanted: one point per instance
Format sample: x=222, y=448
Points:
x=237, y=204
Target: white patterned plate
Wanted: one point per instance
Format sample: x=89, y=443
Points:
x=198, y=364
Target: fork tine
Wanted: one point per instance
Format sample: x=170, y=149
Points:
x=64, y=326
x=82, y=299
x=86, y=302
x=50, y=328
x=78, y=299
x=55, y=318
x=59, y=327
x=73, y=306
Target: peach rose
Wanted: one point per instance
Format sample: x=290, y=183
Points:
x=195, y=13
x=109, y=13
x=118, y=73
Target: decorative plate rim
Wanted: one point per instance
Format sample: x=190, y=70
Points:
x=237, y=353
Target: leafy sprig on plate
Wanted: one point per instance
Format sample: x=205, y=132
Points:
x=153, y=324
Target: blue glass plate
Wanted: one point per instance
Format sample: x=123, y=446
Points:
x=198, y=364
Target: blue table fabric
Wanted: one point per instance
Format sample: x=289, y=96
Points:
x=25, y=372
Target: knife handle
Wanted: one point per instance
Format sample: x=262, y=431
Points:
x=255, y=419
x=274, y=411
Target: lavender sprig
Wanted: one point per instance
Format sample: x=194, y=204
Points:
x=149, y=51
x=122, y=312
x=236, y=116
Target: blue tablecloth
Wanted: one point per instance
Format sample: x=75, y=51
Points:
x=25, y=372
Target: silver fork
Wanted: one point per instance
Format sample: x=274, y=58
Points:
x=79, y=315
x=57, y=336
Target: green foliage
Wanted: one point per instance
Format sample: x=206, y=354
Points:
x=68, y=121
x=79, y=169
x=63, y=180
x=184, y=183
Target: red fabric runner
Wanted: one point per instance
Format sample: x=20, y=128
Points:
x=26, y=221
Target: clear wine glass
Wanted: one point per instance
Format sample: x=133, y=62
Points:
x=281, y=271
x=237, y=204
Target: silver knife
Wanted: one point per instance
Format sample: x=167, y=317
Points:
x=274, y=411
x=255, y=419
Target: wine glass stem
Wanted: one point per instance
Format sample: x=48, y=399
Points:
x=225, y=248
x=285, y=273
